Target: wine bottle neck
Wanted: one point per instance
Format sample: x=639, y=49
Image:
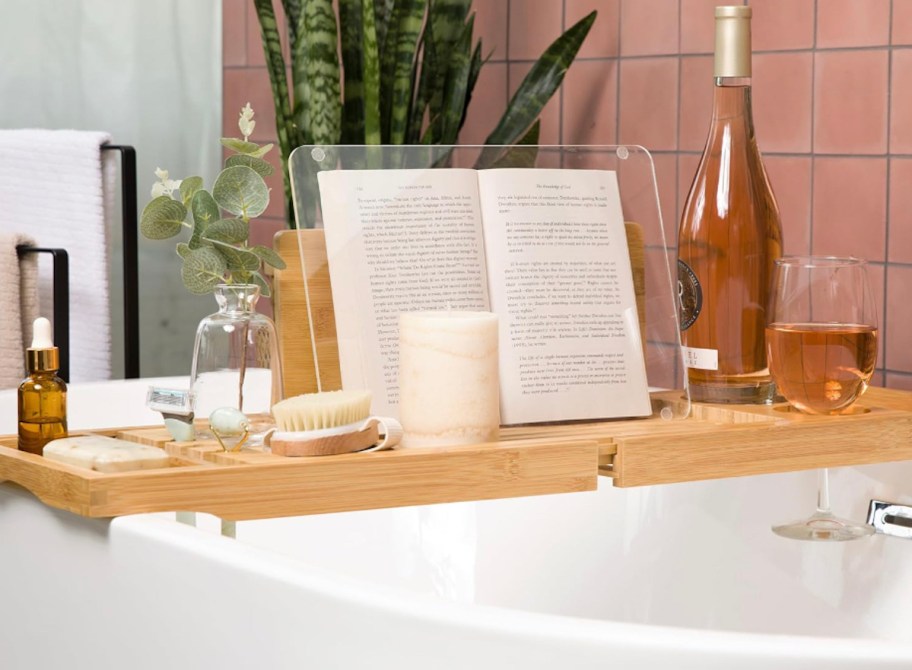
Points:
x=732, y=100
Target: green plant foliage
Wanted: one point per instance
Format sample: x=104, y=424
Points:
x=408, y=71
x=217, y=251
x=162, y=218
x=203, y=269
x=241, y=191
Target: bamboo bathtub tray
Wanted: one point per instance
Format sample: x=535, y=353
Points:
x=716, y=441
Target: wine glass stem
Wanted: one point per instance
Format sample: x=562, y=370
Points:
x=823, y=491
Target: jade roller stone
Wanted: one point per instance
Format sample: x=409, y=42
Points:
x=230, y=427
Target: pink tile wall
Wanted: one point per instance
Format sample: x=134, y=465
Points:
x=832, y=105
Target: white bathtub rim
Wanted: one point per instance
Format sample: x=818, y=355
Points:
x=387, y=600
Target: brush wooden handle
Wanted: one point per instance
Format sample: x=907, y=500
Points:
x=330, y=445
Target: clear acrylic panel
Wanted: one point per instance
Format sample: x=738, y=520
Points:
x=635, y=175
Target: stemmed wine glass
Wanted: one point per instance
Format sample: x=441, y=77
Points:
x=822, y=346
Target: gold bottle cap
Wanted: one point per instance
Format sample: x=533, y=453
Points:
x=733, y=41
x=42, y=360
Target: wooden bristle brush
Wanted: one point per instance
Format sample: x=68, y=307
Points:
x=332, y=422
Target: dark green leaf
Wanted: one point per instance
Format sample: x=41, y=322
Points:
x=454, y=97
x=524, y=154
x=162, y=218
x=383, y=12
x=204, y=210
x=353, y=87
x=227, y=230
x=203, y=268
x=237, y=259
x=188, y=187
x=275, y=63
x=539, y=85
x=370, y=73
x=477, y=62
x=260, y=281
x=316, y=68
x=269, y=256
x=258, y=165
x=241, y=191
x=444, y=28
x=397, y=77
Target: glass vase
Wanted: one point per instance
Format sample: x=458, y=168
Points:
x=236, y=359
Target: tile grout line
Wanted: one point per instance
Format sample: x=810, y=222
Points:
x=887, y=222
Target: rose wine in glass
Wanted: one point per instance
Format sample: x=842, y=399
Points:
x=822, y=349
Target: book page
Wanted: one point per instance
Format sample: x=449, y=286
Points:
x=397, y=241
x=560, y=280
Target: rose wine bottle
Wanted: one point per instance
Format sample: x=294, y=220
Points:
x=729, y=239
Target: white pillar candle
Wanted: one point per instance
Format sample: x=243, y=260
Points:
x=449, y=390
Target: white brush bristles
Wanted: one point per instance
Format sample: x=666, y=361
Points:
x=316, y=411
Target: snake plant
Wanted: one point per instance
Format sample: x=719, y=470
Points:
x=407, y=72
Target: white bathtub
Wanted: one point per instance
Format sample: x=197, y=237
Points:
x=679, y=576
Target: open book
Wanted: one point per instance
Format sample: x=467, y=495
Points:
x=544, y=249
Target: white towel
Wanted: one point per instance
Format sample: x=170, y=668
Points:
x=19, y=297
x=52, y=187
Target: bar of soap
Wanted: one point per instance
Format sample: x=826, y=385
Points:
x=105, y=454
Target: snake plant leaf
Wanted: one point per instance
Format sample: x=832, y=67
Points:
x=162, y=218
x=227, y=230
x=524, y=153
x=318, y=112
x=241, y=191
x=370, y=73
x=457, y=85
x=539, y=85
x=203, y=268
x=353, y=86
x=383, y=12
x=269, y=256
x=258, y=165
x=260, y=281
x=183, y=249
x=292, y=9
x=275, y=65
x=444, y=28
x=246, y=148
x=397, y=76
x=236, y=258
x=477, y=62
x=204, y=210
x=188, y=187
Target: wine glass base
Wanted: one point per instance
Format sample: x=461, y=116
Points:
x=824, y=527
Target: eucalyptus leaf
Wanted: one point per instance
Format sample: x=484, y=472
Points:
x=203, y=268
x=258, y=165
x=205, y=211
x=227, y=230
x=183, y=249
x=241, y=191
x=237, y=259
x=189, y=187
x=269, y=256
x=260, y=281
x=162, y=218
x=246, y=148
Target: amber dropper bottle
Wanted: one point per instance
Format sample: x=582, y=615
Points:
x=42, y=396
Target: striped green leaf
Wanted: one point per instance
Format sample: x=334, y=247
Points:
x=539, y=85
x=370, y=74
x=383, y=12
x=275, y=64
x=457, y=83
x=397, y=75
x=353, y=86
x=318, y=110
x=523, y=154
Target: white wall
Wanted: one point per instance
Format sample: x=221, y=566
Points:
x=149, y=73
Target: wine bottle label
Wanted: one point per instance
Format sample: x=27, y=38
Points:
x=701, y=359
x=690, y=295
